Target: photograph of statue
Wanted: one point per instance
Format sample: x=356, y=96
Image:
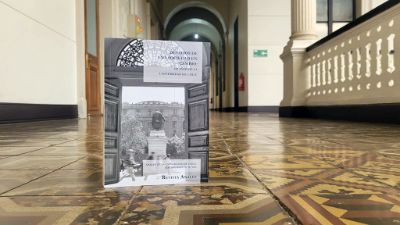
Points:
x=152, y=128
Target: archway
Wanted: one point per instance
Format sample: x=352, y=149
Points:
x=198, y=21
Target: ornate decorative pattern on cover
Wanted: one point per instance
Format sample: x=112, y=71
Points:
x=132, y=55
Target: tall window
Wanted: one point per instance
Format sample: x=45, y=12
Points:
x=334, y=14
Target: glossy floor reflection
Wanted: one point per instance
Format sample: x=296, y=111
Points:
x=263, y=170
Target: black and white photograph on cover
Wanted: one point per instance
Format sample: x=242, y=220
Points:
x=152, y=129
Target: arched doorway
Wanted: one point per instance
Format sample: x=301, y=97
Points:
x=197, y=21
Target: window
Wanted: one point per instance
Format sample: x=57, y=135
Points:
x=333, y=14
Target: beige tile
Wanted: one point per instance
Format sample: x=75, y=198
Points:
x=71, y=182
x=10, y=179
x=65, y=151
x=10, y=151
x=36, y=162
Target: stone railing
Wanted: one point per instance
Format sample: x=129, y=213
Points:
x=359, y=64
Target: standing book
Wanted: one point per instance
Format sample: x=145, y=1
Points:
x=156, y=112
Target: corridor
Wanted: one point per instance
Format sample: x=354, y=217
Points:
x=263, y=170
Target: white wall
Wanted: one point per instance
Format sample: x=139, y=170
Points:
x=80, y=58
x=118, y=18
x=117, y=21
x=38, y=52
x=269, y=25
x=141, y=11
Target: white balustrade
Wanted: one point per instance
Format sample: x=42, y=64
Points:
x=361, y=65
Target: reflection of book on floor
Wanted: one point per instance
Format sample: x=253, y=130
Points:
x=172, y=178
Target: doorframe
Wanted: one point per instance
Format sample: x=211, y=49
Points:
x=236, y=63
x=87, y=58
x=221, y=80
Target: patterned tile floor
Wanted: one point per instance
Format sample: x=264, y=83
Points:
x=263, y=170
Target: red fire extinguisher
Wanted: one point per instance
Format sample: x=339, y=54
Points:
x=241, y=82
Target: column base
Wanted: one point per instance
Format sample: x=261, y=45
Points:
x=295, y=73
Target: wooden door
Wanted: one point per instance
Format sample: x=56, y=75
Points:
x=92, y=78
x=197, y=127
x=112, y=109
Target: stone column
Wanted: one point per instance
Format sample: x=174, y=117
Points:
x=294, y=54
x=304, y=18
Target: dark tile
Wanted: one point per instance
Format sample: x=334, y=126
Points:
x=216, y=209
x=62, y=209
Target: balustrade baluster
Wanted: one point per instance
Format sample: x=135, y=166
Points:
x=314, y=74
x=329, y=71
x=396, y=46
x=359, y=63
x=336, y=69
x=342, y=67
x=351, y=65
x=318, y=74
x=390, y=54
x=324, y=73
x=368, y=64
x=379, y=52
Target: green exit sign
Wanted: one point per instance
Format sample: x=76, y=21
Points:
x=260, y=53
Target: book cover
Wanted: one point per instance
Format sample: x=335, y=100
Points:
x=156, y=112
